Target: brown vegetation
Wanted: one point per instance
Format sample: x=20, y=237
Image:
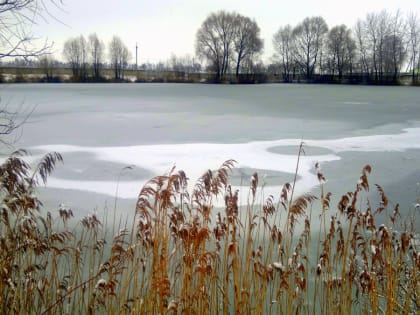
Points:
x=182, y=255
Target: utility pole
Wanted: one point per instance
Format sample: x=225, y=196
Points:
x=137, y=65
x=136, y=57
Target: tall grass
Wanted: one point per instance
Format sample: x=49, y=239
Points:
x=180, y=254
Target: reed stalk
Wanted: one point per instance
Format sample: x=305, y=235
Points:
x=182, y=253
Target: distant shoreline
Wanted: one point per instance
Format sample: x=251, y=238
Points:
x=64, y=75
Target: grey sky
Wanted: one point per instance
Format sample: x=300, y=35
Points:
x=163, y=27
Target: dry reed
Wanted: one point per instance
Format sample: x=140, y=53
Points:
x=184, y=255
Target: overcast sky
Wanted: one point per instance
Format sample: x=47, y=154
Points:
x=163, y=27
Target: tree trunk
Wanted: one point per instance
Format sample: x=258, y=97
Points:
x=238, y=63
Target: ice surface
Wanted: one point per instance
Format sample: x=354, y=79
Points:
x=196, y=158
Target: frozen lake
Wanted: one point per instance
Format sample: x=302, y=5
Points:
x=101, y=128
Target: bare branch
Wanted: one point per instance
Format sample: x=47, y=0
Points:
x=16, y=19
x=12, y=120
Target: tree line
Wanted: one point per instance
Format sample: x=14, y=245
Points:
x=228, y=45
x=375, y=50
x=87, y=57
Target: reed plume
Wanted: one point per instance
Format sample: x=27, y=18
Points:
x=200, y=251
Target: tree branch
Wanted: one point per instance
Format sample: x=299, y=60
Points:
x=16, y=16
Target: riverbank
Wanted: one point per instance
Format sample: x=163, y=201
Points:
x=64, y=75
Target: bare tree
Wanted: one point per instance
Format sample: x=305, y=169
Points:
x=176, y=63
x=308, y=37
x=283, y=45
x=363, y=47
x=247, y=41
x=377, y=28
x=46, y=63
x=96, y=51
x=371, y=28
x=184, y=63
x=382, y=44
x=341, y=47
x=395, y=48
x=71, y=52
x=83, y=57
x=119, y=56
x=214, y=41
x=16, y=19
x=226, y=37
x=383, y=31
x=75, y=52
x=394, y=55
x=414, y=45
